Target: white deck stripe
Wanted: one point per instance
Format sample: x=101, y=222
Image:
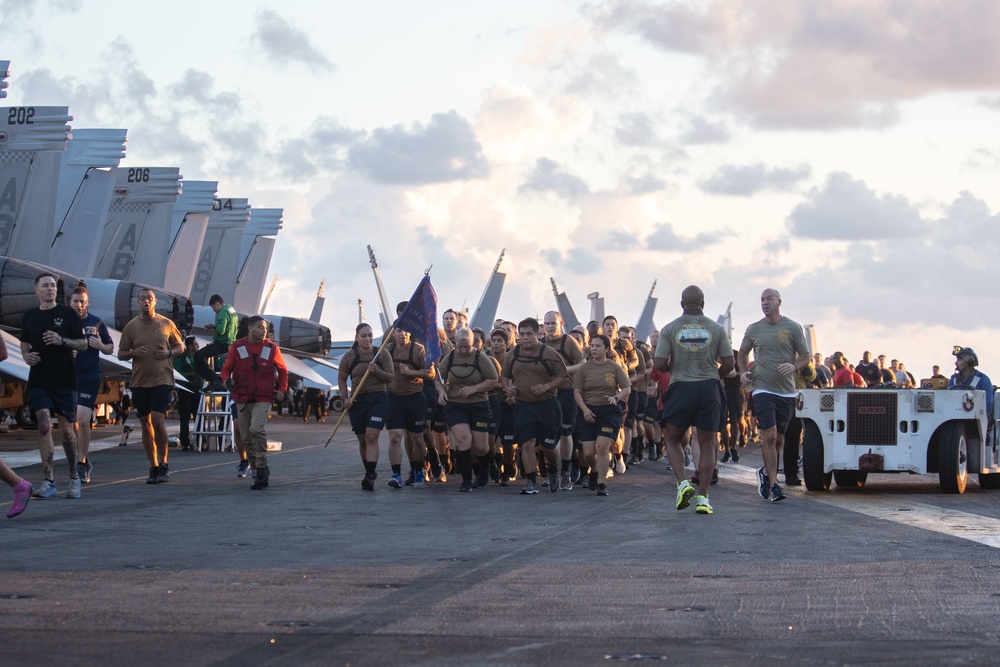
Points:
x=953, y=523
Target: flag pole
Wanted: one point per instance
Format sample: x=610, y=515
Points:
x=356, y=389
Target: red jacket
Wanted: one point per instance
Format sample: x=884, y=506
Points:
x=255, y=386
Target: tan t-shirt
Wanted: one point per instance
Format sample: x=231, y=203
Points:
x=413, y=357
x=465, y=370
x=158, y=333
x=530, y=369
x=373, y=383
x=568, y=348
x=597, y=382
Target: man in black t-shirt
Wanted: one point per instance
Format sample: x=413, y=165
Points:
x=49, y=335
x=869, y=370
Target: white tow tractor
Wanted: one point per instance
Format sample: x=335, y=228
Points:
x=848, y=433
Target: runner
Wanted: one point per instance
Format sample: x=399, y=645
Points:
x=368, y=403
x=599, y=388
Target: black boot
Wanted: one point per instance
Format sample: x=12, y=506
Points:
x=260, y=482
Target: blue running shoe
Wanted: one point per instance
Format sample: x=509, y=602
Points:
x=46, y=490
x=763, y=484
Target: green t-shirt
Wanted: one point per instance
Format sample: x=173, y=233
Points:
x=694, y=343
x=227, y=322
x=773, y=344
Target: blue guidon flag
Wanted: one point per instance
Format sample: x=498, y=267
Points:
x=419, y=318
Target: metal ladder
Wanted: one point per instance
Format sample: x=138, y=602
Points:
x=213, y=420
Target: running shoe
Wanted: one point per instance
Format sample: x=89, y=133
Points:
x=411, y=478
x=684, y=493
x=443, y=477
x=776, y=493
x=726, y=456
x=482, y=479
x=792, y=481
x=494, y=471
x=554, y=482
x=687, y=459
x=611, y=472
x=715, y=476
x=83, y=470
x=242, y=468
x=368, y=483
x=695, y=479
x=620, y=464
x=418, y=479
x=763, y=484
x=504, y=481
x=592, y=482
x=74, y=489
x=164, y=474
x=602, y=489
x=633, y=459
x=465, y=487
x=565, y=483
x=701, y=505
x=46, y=490
x=154, y=473
x=22, y=494
x=530, y=489
x=574, y=472
x=736, y=455
x=396, y=481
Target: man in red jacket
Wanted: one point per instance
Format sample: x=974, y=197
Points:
x=251, y=367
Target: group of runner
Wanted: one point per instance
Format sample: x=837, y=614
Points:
x=573, y=404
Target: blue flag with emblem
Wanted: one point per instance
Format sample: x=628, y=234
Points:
x=419, y=318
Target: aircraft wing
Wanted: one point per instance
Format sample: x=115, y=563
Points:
x=310, y=378
x=13, y=367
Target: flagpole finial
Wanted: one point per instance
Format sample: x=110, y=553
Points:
x=428, y=271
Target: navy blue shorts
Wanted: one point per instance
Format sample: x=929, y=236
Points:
x=697, y=404
x=60, y=402
x=435, y=411
x=369, y=411
x=495, y=412
x=505, y=424
x=477, y=415
x=569, y=411
x=407, y=412
x=539, y=422
x=607, y=423
x=772, y=410
x=152, y=399
x=89, y=389
x=641, y=404
x=631, y=407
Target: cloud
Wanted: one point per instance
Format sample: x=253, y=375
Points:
x=847, y=209
x=286, y=44
x=446, y=149
x=665, y=239
x=636, y=129
x=550, y=176
x=822, y=64
x=577, y=260
x=746, y=180
x=642, y=183
x=600, y=74
x=701, y=131
x=322, y=147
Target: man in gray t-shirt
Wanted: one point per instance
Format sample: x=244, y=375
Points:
x=779, y=350
x=695, y=350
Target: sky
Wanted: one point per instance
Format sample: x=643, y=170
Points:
x=842, y=152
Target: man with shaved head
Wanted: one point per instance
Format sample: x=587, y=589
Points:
x=696, y=351
x=779, y=350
